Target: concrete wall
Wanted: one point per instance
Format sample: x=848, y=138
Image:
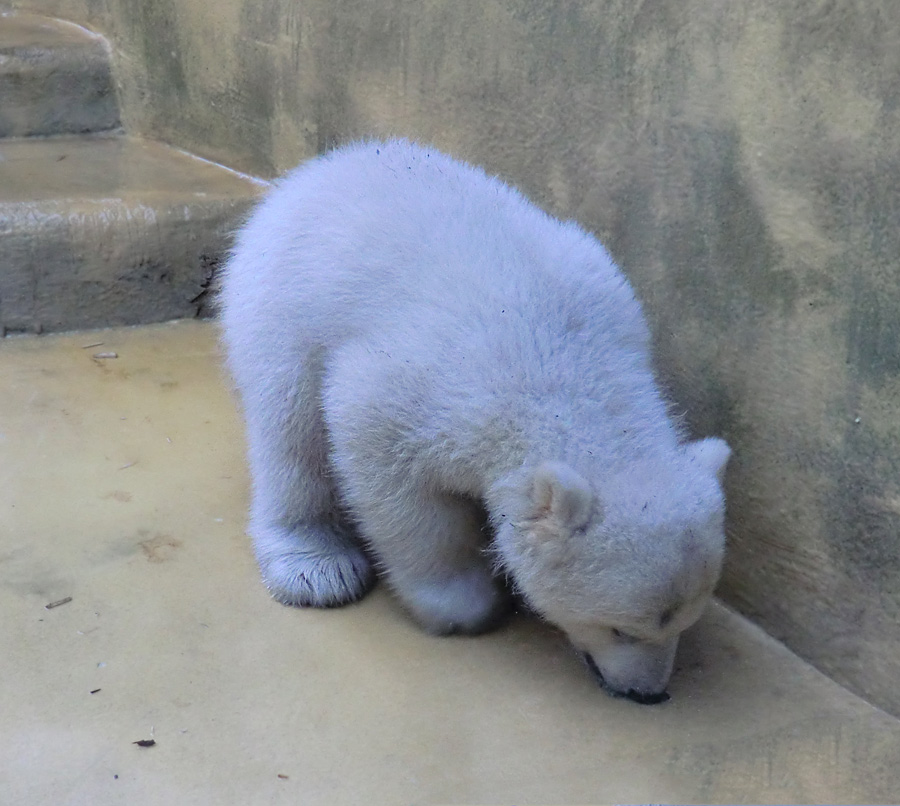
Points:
x=742, y=161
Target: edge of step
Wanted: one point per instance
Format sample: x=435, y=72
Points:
x=55, y=78
x=101, y=231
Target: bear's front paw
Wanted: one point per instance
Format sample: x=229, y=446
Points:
x=469, y=602
x=307, y=579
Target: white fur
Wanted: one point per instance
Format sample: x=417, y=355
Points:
x=414, y=341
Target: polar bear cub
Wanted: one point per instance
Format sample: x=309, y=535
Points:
x=443, y=381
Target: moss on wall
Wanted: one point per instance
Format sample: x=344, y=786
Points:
x=742, y=160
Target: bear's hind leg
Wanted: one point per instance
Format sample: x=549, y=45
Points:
x=431, y=547
x=305, y=549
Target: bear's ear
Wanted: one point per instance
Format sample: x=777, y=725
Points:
x=711, y=454
x=560, y=494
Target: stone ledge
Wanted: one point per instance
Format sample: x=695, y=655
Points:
x=109, y=230
x=54, y=78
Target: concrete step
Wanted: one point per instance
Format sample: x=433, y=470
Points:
x=54, y=78
x=100, y=230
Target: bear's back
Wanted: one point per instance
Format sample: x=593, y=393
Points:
x=381, y=233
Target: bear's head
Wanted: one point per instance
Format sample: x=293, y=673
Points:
x=623, y=562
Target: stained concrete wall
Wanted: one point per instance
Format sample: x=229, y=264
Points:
x=742, y=161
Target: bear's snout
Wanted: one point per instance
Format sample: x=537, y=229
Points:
x=640, y=697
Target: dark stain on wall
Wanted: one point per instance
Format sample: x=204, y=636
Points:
x=155, y=27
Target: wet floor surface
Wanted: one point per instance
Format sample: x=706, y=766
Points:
x=122, y=495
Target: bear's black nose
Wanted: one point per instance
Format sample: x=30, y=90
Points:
x=640, y=697
x=643, y=698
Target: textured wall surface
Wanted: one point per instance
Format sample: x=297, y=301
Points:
x=741, y=160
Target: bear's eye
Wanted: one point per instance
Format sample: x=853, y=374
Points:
x=624, y=637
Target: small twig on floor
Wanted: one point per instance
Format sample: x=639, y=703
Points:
x=58, y=603
x=147, y=742
x=92, y=344
x=130, y=464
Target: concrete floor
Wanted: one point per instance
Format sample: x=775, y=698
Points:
x=122, y=486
